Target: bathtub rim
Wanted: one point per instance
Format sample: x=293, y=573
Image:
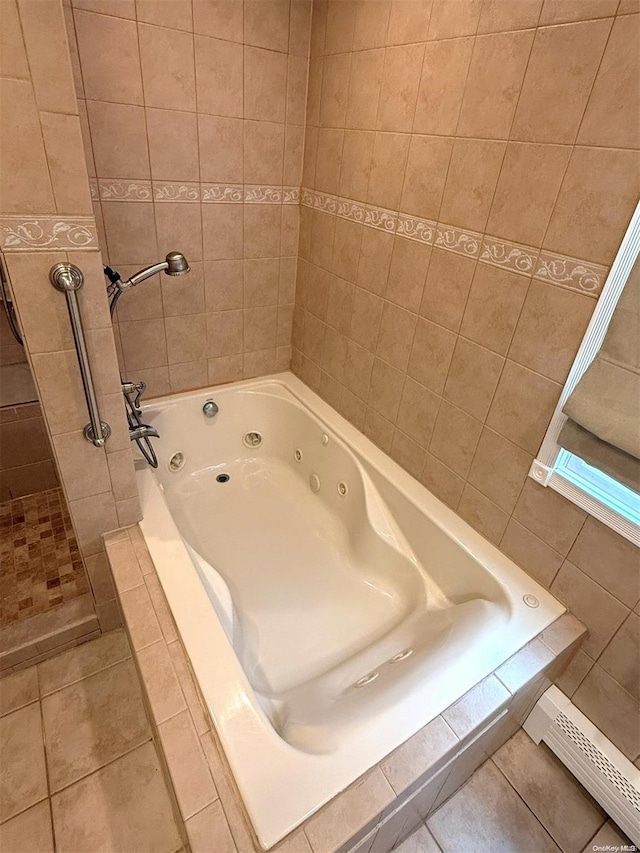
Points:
x=192, y=609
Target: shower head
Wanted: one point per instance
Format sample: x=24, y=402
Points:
x=177, y=264
x=174, y=264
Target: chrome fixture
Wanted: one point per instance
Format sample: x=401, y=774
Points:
x=68, y=278
x=210, y=409
x=174, y=264
x=139, y=431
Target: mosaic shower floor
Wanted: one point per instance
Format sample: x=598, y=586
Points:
x=41, y=563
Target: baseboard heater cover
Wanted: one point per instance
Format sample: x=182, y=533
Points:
x=605, y=772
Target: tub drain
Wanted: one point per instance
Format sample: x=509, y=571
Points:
x=223, y=478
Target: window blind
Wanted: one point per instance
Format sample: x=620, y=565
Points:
x=603, y=425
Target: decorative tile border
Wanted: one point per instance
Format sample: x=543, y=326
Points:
x=34, y=233
x=185, y=191
x=510, y=256
x=582, y=276
x=568, y=272
x=176, y=191
x=111, y=190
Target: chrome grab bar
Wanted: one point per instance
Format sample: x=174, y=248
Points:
x=68, y=278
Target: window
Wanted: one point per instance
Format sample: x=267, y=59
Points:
x=610, y=500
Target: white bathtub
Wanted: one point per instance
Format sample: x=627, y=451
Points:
x=329, y=604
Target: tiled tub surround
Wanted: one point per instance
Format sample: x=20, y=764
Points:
x=379, y=809
x=442, y=321
x=193, y=122
x=46, y=216
x=116, y=796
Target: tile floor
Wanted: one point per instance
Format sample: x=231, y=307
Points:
x=41, y=563
x=80, y=774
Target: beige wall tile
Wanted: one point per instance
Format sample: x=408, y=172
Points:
x=340, y=24
x=31, y=830
x=364, y=89
x=601, y=612
x=563, y=11
x=219, y=69
x=222, y=232
x=263, y=152
x=494, y=306
x=611, y=709
x=407, y=453
x=167, y=67
x=186, y=339
x=609, y=559
x=13, y=61
x=386, y=390
x=455, y=438
x=45, y=37
x=144, y=344
x=431, y=355
x=447, y=288
x=444, y=74
x=557, y=316
x=546, y=113
x=408, y=21
x=175, y=14
x=387, y=169
x=442, y=481
x=527, y=190
x=222, y=18
x=500, y=15
x=265, y=84
x=621, y=658
x=179, y=226
x=399, y=90
x=602, y=184
x=499, y=469
x=335, y=88
x=84, y=472
x=482, y=514
x=549, y=515
x=474, y=163
x=530, y=553
x=131, y=232
x=121, y=154
x=614, y=100
x=328, y=160
x=473, y=377
x=409, y=265
x=267, y=25
x=375, y=260
x=65, y=157
x=395, y=338
x=109, y=57
x=371, y=23
x=357, y=370
x=25, y=186
x=495, y=77
x=522, y=406
x=450, y=21
x=418, y=411
x=173, y=145
x=425, y=175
